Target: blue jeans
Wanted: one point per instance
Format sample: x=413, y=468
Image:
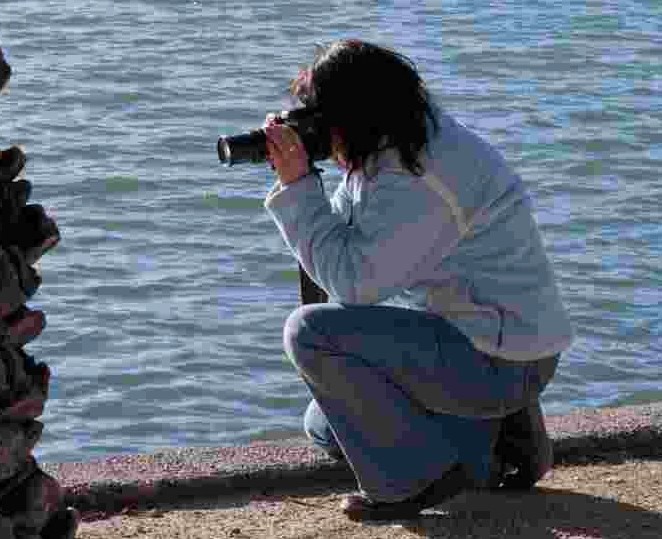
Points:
x=402, y=394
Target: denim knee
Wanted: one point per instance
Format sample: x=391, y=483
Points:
x=298, y=329
x=294, y=327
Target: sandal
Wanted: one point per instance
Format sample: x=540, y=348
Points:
x=358, y=507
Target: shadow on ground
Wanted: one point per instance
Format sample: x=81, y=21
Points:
x=544, y=513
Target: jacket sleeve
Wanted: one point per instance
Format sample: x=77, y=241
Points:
x=400, y=223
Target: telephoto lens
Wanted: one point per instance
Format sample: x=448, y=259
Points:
x=246, y=148
x=251, y=147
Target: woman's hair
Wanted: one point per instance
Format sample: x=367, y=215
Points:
x=367, y=93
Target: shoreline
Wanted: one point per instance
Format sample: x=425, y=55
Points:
x=120, y=484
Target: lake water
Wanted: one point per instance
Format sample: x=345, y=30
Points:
x=166, y=298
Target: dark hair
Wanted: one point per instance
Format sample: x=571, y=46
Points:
x=369, y=92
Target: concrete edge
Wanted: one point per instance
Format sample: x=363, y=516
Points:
x=112, y=485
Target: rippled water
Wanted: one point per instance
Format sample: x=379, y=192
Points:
x=166, y=298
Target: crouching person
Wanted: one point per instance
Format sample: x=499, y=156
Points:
x=30, y=500
x=445, y=323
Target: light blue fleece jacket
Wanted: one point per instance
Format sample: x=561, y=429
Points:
x=460, y=241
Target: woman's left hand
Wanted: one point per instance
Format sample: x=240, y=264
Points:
x=286, y=151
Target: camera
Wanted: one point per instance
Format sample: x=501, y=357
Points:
x=251, y=147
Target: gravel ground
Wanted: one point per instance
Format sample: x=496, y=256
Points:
x=593, y=501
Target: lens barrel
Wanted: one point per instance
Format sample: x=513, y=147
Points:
x=247, y=148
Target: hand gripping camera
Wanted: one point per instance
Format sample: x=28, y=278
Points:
x=251, y=147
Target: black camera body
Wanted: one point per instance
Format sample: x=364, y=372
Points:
x=251, y=147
